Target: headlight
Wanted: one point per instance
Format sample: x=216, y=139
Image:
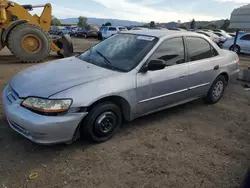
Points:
x=47, y=105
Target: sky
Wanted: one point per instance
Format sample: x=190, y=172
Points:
x=143, y=10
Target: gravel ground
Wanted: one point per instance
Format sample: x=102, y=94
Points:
x=193, y=145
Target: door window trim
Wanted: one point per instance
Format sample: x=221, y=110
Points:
x=185, y=53
x=211, y=46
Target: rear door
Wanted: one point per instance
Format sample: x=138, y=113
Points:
x=244, y=43
x=204, y=63
x=156, y=89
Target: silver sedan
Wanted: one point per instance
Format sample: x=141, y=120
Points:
x=129, y=75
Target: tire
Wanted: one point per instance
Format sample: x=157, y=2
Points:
x=216, y=91
x=237, y=49
x=26, y=53
x=110, y=117
x=85, y=35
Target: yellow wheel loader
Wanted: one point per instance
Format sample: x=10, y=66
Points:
x=27, y=36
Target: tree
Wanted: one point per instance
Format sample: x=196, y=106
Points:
x=82, y=21
x=55, y=21
x=193, y=24
x=107, y=24
x=152, y=24
x=182, y=27
x=226, y=24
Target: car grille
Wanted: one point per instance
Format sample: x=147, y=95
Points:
x=11, y=95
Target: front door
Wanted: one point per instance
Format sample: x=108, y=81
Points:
x=156, y=89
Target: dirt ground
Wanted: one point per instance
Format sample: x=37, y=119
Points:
x=194, y=145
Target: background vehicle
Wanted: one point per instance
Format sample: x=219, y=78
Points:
x=207, y=30
x=242, y=43
x=86, y=32
x=213, y=37
x=68, y=30
x=223, y=34
x=175, y=71
x=34, y=43
x=111, y=30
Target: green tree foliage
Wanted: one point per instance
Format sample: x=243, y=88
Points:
x=152, y=24
x=82, y=21
x=226, y=24
x=108, y=24
x=182, y=27
x=193, y=24
x=210, y=26
x=55, y=21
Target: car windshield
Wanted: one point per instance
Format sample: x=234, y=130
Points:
x=121, y=52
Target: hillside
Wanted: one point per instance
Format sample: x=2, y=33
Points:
x=100, y=21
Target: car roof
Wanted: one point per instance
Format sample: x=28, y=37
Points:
x=159, y=33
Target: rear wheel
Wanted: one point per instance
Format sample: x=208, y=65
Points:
x=29, y=43
x=216, y=91
x=102, y=122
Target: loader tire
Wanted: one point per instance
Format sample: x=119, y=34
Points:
x=29, y=43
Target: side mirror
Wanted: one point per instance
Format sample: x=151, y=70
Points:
x=156, y=64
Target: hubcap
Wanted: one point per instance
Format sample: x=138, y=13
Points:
x=105, y=123
x=218, y=89
x=31, y=43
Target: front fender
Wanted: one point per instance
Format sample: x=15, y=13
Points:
x=10, y=27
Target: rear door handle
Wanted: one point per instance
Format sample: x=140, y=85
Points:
x=216, y=67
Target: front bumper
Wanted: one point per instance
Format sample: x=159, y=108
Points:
x=38, y=128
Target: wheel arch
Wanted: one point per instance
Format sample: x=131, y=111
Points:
x=121, y=102
x=10, y=27
x=226, y=76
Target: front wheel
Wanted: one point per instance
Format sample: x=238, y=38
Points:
x=102, y=122
x=216, y=91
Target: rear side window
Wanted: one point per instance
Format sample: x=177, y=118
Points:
x=245, y=37
x=199, y=49
x=171, y=51
x=112, y=29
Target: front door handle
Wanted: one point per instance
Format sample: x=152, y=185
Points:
x=216, y=67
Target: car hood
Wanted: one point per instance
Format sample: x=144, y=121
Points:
x=47, y=79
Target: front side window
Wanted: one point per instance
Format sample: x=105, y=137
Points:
x=199, y=48
x=245, y=37
x=121, y=52
x=171, y=51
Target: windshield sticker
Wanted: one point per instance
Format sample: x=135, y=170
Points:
x=145, y=38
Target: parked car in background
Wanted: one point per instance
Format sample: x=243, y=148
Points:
x=86, y=32
x=212, y=36
x=112, y=30
x=73, y=30
x=223, y=34
x=207, y=30
x=232, y=34
x=220, y=31
x=242, y=43
x=60, y=31
x=127, y=76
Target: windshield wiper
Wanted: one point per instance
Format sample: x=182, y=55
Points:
x=106, y=60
